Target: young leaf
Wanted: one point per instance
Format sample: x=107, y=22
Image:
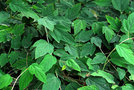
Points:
x=105, y=75
x=48, y=62
x=125, y=52
x=79, y=25
x=42, y=48
x=72, y=64
x=37, y=70
x=25, y=79
x=5, y=80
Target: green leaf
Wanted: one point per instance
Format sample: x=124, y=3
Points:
x=84, y=36
x=48, y=62
x=24, y=8
x=53, y=83
x=16, y=42
x=92, y=87
x=38, y=71
x=105, y=75
x=87, y=49
x=5, y=80
x=99, y=58
x=97, y=41
x=103, y=2
x=121, y=73
x=72, y=50
x=25, y=80
x=120, y=5
x=128, y=25
x=42, y=48
x=79, y=25
x=128, y=87
x=3, y=16
x=47, y=23
x=3, y=59
x=125, y=52
x=73, y=12
x=18, y=29
x=72, y=86
x=72, y=64
x=115, y=24
x=100, y=83
x=109, y=33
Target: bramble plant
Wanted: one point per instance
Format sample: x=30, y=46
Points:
x=67, y=44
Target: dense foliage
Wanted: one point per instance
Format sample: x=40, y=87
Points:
x=67, y=44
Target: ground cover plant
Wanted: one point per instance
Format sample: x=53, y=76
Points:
x=66, y=45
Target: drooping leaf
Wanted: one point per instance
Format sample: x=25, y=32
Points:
x=72, y=64
x=5, y=80
x=42, y=48
x=48, y=62
x=105, y=75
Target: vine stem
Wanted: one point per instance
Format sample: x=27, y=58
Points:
x=18, y=78
x=107, y=58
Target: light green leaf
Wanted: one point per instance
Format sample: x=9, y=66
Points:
x=48, y=62
x=91, y=87
x=25, y=80
x=3, y=59
x=5, y=80
x=79, y=25
x=128, y=25
x=109, y=33
x=53, y=83
x=120, y=5
x=42, y=48
x=124, y=51
x=115, y=24
x=47, y=23
x=105, y=75
x=38, y=71
x=128, y=87
x=97, y=41
x=3, y=16
x=121, y=73
x=72, y=64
